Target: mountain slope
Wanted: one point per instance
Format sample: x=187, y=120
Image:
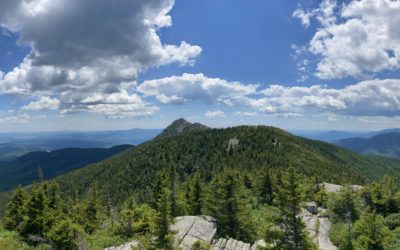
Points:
x=133, y=172
x=23, y=170
x=387, y=144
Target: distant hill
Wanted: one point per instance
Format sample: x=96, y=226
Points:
x=23, y=170
x=207, y=151
x=387, y=144
x=181, y=126
x=13, y=145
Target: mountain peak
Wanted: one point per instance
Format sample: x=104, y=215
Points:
x=181, y=126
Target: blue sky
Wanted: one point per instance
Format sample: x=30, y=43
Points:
x=298, y=65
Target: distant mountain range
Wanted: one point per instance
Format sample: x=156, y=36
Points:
x=334, y=136
x=13, y=145
x=23, y=170
x=386, y=144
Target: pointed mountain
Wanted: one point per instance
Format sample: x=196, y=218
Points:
x=181, y=126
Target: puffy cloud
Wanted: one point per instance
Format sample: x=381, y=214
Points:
x=189, y=87
x=215, y=114
x=45, y=102
x=115, y=105
x=82, y=47
x=356, y=39
x=367, y=98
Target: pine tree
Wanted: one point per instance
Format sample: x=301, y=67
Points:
x=289, y=200
x=266, y=192
x=172, y=188
x=196, y=196
x=16, y=209
x=228, y=206
x=159, y=184
x=164, y=236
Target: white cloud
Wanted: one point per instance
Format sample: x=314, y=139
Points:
x=356, y=39
x=303, y=16
x=373, y=97
x=215, y=114
x=15, y=119
x=45, y=102
x=81, y=47
x=116, y=105
x=245, y=113
x=190, y=87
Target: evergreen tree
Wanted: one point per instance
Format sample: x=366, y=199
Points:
x=266, y=192
x=36, y=220
x=64, y=235
x=288, y=199
x=370, y=232
x=16, y=209
x=382, y=196
x=172, y=188
x=196, y=196
x=344, y=207
x=159, y=184
x=91, y=211
x=164, y=236
x=228, y=206
x=127, y=219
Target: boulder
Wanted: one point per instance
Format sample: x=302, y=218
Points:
x=318, y=228
x=233, y=143
x=311, y=207
x=190, y=229
x=229, y=244
x=329, y=187
x=334, y=188
x=125, y=246
x=258, y=243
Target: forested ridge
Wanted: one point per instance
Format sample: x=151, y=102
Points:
x=23, y=170
x=252, y=186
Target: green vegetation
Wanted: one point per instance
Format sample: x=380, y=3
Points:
x=250, y=190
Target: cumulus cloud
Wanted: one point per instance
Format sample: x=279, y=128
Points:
x=215, y=114
x=366, y=98
x=190, y=87
x=356, y=39
x=45, y=102
x=117, y=105
x=81, y=47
